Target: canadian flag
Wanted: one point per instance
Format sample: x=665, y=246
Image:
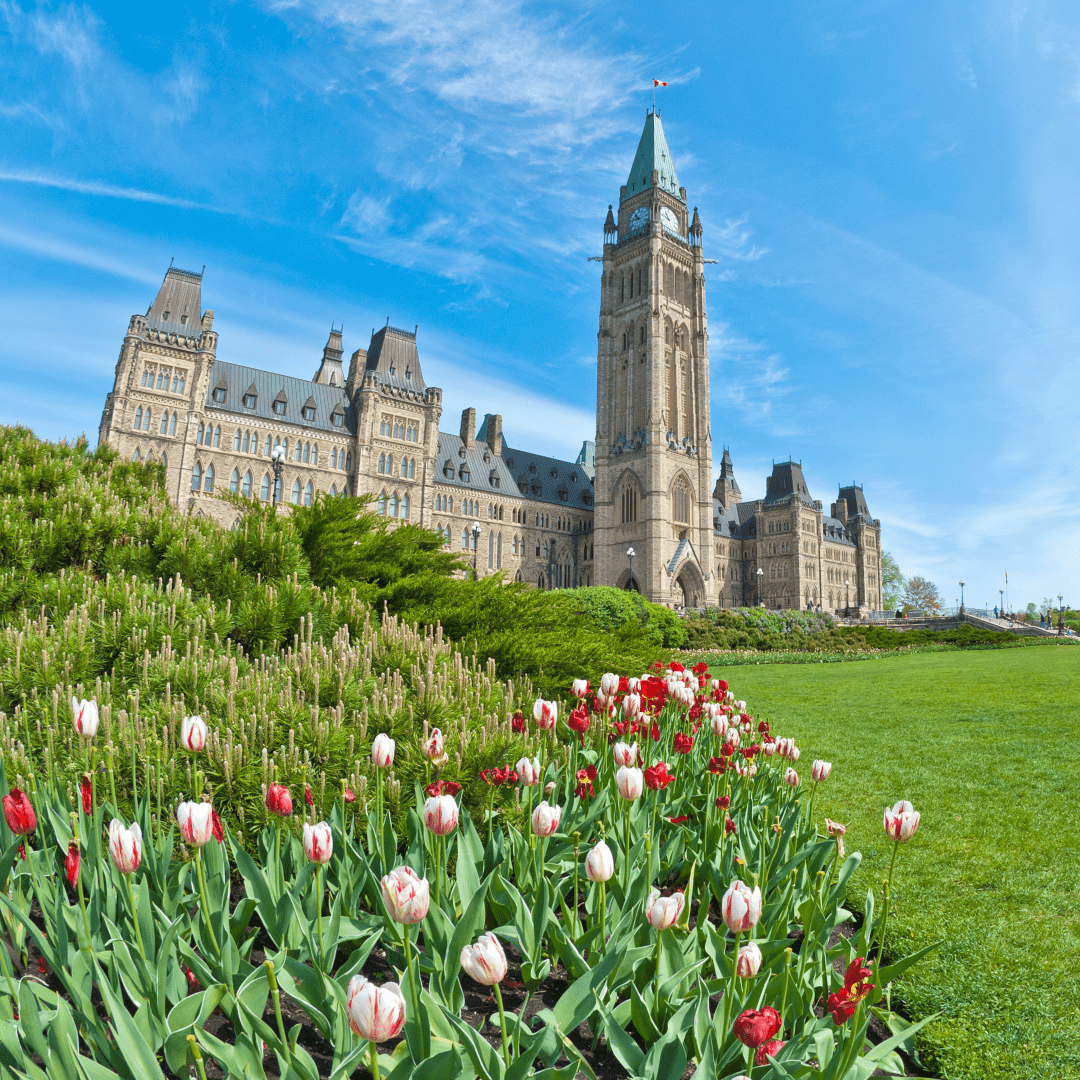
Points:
x=658, y=82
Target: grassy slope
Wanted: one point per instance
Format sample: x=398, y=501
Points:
x=984, y=744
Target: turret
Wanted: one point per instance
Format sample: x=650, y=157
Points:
x=330, y=372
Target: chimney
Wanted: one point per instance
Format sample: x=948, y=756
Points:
x=468, y=428
x=494, y=433
x=208, y=320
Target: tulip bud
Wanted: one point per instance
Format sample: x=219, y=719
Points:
x=820, y=771
x=580, y=688
x=599, y=863
x=125, y=845
x=528, y=769
x=318, y=842
x=545, y=713
x=791, y=778
x=741, y=908
x=406, y=895
x=195, y=821
x=441, y=814
x=85, y=715
x=734, y=738
x=434, y=749
x=376, y=1013
x=901, y=821
x=549, y=788
x=72, y=861
x=382, y=751
x=485, y=962
x=629, y=782
x=794, y=754
x=193, y=733
x=633, y=685
x=631, y=705
x=624, y=754
x=767, y=1050
x=748, y=963
x=609, y=684
x=19, y=812
x=279, y=800
x=664, y=911
x=545, y=819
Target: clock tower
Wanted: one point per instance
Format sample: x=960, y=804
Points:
x=653, y=443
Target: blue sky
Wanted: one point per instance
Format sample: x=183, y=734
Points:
x=890, y=191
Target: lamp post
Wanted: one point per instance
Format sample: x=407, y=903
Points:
x=1001, y=602
x=847, y=600
x=630, y=556
x=961, y=596
x=277, y=460
x=760, y=575
x=475, y=530
x=1061, y=616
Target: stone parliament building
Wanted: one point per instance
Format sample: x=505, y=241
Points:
x=646, y=483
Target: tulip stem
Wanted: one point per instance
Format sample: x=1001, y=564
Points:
x=205, y=903
x=783, y=993
x=602, y=901
x=134, y=915
x=196, y=1055
x=271, y=978
x=86, y=918
x=413, y=983
x=520, y=1024
x=885, y=915
x=318, y=910
x=374, y=1061
x=626, y=853
x=734, y=976
x=502, y=1024
x=659, y=948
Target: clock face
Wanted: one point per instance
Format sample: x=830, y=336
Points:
x=639, y=218
x=669, y=220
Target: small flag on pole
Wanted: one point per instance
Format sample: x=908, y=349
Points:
x=658, y=82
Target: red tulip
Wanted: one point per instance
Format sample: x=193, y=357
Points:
x=755, y=1027
x=216, y=827
x=441, y=787
x=19, y=813
x=517, y=723
x=729, y=827
x=767, y=1050
x=723, y=802
x=71, y=863
x=585, y=778
x=279, y=800
x=86, y=786
x=857, y=986
x=683, y=743
x=308, y=797
x=350, y=795
x=578, y=720
x=657, y=776
x=717, y=765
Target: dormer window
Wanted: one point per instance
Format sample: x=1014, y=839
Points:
x=183, y=320
x=166, y=315
x=463, y=474
x=250, y=400
x=221, y=392
x=309, y=412
x=337, y=417
x=448, y=470
x=281, y=403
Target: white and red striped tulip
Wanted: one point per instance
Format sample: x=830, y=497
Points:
x=376, y=1013
x=193, y=733
x=901, y=821
x=545, y=818
x=382, y=751
x=664, y=911
x=741, y=907
x=406, y=895
x=318, y=842
x=629, y=781
x=86, y=718
x=196, y=822
x=484, y=962
x=125, y=846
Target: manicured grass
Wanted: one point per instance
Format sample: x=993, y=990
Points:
x=985, y=745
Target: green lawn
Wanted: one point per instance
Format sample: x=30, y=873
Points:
x=985, y=744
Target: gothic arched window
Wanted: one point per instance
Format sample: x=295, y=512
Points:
x=164, y=423
x=172, y=425
x=308, y=492
x=247, y=482
x=208, y=483
x=296, y=493
x=680, y=501
x=264, y=492
x=138, y=419
x=236, y=440
x=404, y=507
x=382, y=463
x=234, y=481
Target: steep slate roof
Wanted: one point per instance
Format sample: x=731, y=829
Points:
x=551, y=476
x=856, y=503
x=269, y=386
x=585, y=458
x=786, y=479
x=652, y=153
x=392, y=353
x=835, y=532
x=481, y=478
x=180, y=296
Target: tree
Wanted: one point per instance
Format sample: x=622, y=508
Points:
x=892, y=582
x=922, y=594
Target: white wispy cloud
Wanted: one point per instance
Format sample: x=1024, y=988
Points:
x=93, y=187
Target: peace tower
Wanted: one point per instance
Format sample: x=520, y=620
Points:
x=653, y=452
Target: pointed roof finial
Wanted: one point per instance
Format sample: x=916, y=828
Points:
x=652, y=155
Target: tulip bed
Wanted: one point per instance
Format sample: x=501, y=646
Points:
x=653, y=852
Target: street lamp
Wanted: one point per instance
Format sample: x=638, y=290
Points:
x=475, y=530
x=1061, y=616
x=277, y=459
x=630, y=556
x=961, y=612
x=1001, y=603
x=760, y=575
x=847, y=600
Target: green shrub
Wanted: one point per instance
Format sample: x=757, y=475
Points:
x=620, y=610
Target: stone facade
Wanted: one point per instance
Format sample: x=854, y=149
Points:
x=374, y=430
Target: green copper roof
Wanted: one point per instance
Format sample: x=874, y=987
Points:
x=652, y=153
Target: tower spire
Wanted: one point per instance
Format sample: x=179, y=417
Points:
x=652, y=156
